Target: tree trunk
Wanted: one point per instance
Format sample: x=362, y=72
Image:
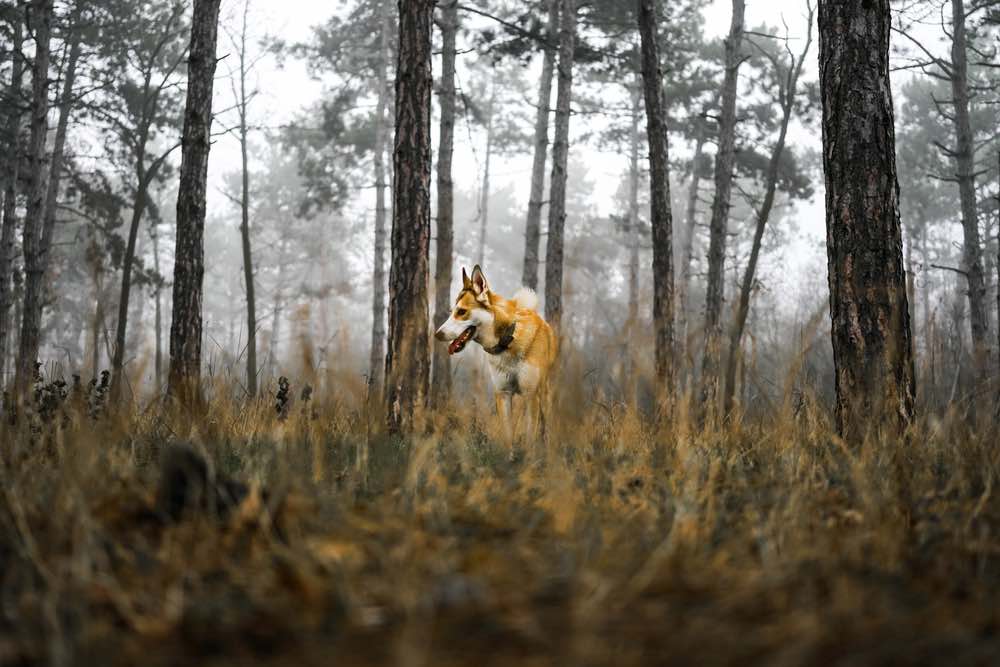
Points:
x=965, y=163
x=484, y=202
x=139, y=204
x=189, y=260
x=40, y=13
x=687, y=249
x=376, y=361
x=441, y=386
x=660, y=213
x=158, y=317
x=787, y=94
x=718, y=226
x=407, y=364
x=869, y=315
x=533, y=225
x=248, y=274
x=560, y=155
x=633, y=212
x=13, y=165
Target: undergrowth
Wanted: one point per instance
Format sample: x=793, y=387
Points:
x=614, y=541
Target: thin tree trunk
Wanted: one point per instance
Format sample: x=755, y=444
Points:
x=248, y=274
x=441, y=386
x=533, y=225
x=157, y=292
x=376, y=361
x=870, y=319
x=787, y=94
x=687, y=249
x=964, y=159
x=189, y=260
x=40, y=13
x=13, y=166
x=59, y=147
x=718, y=227
x=660, y=213
x=560, y=156
x=633, y=211
x=407, y=364
x=484, y=202
x=139, y=204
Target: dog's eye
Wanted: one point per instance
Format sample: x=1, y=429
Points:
x=460, y=312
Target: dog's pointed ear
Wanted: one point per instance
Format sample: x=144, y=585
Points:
x=466, y=282
x=480, y=287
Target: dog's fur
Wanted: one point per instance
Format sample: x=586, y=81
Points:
x=520, y=345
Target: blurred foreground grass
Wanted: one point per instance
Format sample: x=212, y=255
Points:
x=616, y=542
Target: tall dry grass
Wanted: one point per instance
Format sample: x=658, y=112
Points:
x=618, y=540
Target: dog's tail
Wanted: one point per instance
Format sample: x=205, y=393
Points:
x=526, y=298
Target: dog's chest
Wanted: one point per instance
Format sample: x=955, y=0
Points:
x=512, y=375
x=504, y=371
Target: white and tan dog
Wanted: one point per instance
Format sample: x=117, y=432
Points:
x=520, y=345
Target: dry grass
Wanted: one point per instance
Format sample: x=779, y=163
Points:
x=617, y=542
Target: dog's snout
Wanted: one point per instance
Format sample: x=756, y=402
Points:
x=439, y=334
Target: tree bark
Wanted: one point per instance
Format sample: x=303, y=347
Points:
x=560, y=156
x=869, y=315
x=407, y=364
x=41, y=12
x=13, y=165
x=965, y=162
x=189, y=260
x=787, y=94
x=441, y=386
x=248, y=273
x=376, y=361
x=718, y=226
x=533, y=225
x=660, y=213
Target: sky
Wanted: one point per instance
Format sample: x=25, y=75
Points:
x=285, y=90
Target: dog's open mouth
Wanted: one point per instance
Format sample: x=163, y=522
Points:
x=458, y=344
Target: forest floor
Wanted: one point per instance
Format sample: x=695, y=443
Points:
x=616, y=542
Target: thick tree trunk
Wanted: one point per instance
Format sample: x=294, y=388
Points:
x=484, y=201
x=718, y=226
x=189, y=260
x=441, y=386
x=248, y=273
x=660, y=213
x=787, y=94
x=12, y=128
x=870, y=318
x=965, y=163
x=40, y=14
x=560, y=156
x=376, y=360
x=533, y=225
x=407, y=364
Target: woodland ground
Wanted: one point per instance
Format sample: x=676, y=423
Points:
x=618, y=542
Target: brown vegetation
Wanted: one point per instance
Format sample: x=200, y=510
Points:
x=301, y=534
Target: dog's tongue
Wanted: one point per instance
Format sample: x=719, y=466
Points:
x=459, y=343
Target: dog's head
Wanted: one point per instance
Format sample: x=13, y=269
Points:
x=472, y=312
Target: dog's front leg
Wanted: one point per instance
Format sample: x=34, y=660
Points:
x=505, y=414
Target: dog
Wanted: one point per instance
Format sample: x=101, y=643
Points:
x=520, y=345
